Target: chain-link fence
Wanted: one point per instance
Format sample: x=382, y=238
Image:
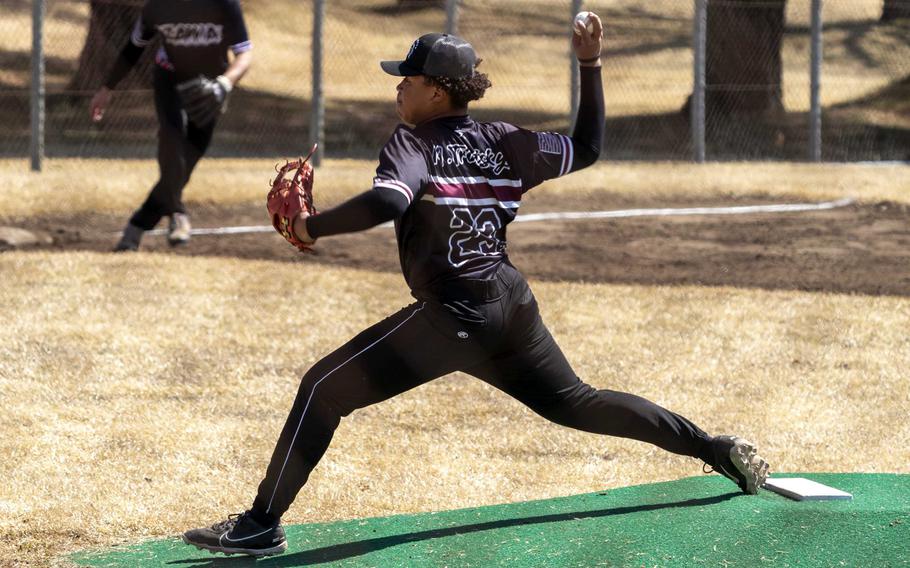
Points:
x=865, y=85
x=757, y=81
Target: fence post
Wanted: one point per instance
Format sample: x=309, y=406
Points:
x=573, y=70
x=815, y=75
x=317, y=118
x=36, y=142
x=697, y=106
x=452, y=16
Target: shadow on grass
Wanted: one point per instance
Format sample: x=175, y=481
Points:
x=860, y=42
x=261, y=124
x=347, y=550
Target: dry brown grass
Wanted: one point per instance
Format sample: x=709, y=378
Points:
x=142, y=394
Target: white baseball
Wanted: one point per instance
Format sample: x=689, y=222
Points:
x=583, y=19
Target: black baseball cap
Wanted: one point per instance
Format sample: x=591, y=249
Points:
x=436, y=55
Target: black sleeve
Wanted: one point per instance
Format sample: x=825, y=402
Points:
x=538, y=156
x=399, y=177
x=235, y=32
x=141, y=36
x=589, y=124
x=366, y=210
x=125, y=61
x=402, y=165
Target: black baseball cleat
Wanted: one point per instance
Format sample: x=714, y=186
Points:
x=738, y=460
x=129, y=239
x=239, y=534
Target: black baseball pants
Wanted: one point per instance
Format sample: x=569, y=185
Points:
x=499, y=339
x=180, y=146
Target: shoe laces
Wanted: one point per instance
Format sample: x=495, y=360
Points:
x=723, y=471
x=718, y=467
x=228, y=524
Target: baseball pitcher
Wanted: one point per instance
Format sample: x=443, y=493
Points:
x=452, y=185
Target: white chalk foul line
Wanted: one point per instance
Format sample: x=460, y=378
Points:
x=741, y=210
x=220, y=230
x=575, y=215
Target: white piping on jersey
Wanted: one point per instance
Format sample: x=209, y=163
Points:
x=313, y=391
x=467, y=201
x=136, y=36
x=396, y=185
x=568, y=154
x=476, y=180
x=242, y=47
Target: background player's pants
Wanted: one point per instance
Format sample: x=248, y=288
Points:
x=180, y=145
x=501, y=341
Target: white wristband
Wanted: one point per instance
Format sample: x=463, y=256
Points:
x=225, y=83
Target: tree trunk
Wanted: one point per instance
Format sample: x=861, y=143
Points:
x=110, y=26
x=743, y=65
x=894, y=9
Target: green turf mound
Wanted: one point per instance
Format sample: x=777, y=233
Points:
x=697, y=521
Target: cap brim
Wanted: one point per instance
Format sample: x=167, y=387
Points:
x=399, y=69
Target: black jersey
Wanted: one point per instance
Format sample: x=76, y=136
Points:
x=464, y=181
x=196, y=34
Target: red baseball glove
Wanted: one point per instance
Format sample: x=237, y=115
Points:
x=290, y=198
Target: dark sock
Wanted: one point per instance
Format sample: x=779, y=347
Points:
x=263, y=519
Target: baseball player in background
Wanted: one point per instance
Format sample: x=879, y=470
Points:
x=451, y=185
x=192, y=81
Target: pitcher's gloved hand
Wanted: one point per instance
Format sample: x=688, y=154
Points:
x=291, y=198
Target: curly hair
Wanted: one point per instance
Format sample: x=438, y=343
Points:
x=463, y=91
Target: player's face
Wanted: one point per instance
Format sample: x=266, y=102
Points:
x=416, y=100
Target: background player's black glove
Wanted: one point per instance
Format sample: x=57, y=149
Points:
x=204, y=99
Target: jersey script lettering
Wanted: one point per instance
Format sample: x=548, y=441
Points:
x=192, y=34
x=460, y=154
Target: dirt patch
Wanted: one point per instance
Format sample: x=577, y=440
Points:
x=862, y=248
